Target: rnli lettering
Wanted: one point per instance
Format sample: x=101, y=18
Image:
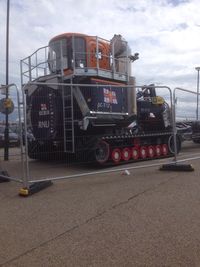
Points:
x=101, y=105
x=44, y=112
x=43, y=124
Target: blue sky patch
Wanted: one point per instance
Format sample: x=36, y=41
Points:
x=177, y=2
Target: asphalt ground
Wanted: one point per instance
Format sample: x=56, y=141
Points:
x=147, y=218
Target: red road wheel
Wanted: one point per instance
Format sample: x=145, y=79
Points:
x=143, y=152
x=102, y=152
x=158, y=150
x=151, y=151
x=165, y=149
x=126, y=154
x=135, y=153
x=116, y=155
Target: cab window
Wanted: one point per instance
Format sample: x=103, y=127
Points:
x=58, y=55
x=80, y=52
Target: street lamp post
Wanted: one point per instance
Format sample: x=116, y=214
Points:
x=7, y=82
x=198, y=69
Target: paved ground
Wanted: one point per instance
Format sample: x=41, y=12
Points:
x=147, y=218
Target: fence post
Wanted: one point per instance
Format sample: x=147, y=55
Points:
x=175, y=166
x=174, y=126
x=29, y=189
x=24, y=190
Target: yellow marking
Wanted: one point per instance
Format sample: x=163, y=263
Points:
x=158, y=100
x=23, y=192
x=7, y=103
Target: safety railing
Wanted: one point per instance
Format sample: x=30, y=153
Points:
x=11, y=145
x=45, y=172
x=35, y=65
x=186, y=112
x=36, y=174
x=39, y=63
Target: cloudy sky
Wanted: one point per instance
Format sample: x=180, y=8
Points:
x=166, y=33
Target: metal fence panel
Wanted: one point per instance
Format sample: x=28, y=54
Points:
x=11, y=159
x=50, y=142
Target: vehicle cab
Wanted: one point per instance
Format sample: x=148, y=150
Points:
x=79, y=54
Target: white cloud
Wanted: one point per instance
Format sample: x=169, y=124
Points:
x=166, y=33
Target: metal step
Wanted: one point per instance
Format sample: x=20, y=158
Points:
x=68, y=120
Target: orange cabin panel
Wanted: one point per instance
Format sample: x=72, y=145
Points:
x=84, y=51
x=102, y=60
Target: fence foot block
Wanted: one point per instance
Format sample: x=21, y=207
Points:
x=34, y=188
x=4, y=179
x=177, y=167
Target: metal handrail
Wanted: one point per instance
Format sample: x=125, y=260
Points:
x=44, y=47
x=31, y=67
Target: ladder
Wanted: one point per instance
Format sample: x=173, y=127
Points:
x=68, y=117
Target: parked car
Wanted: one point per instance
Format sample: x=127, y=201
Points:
x=14, y=139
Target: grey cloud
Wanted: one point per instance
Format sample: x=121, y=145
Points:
x=164, y=33
x=177, y=2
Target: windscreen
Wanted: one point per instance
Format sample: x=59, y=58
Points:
x=80, y=52
x=58, y=55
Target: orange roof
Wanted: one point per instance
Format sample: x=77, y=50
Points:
x=67, y=34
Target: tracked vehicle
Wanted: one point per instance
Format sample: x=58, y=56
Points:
x=81, y=101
